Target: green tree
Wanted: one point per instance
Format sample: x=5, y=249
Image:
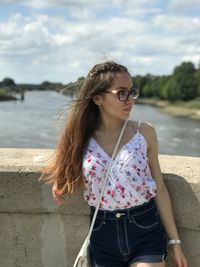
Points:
x=140, y=82
x=8, y=82
x=197, y=78
x=171, y=91
x=185, y=82
x=145, y=85
x=182, y=85
x=161, y=81
x=46, y=83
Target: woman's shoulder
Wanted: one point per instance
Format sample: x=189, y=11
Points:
x=142, y=125
x=145, y=128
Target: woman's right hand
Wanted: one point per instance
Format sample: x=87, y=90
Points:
x=56, y=196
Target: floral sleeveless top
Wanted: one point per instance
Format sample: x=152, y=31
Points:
x=129, y=182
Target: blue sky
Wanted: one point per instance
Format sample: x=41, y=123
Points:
x=60, y=40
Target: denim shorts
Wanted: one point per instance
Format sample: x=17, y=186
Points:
x=122, y=237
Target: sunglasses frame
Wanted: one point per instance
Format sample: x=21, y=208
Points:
x=116, y=92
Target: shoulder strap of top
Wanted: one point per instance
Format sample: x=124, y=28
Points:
x=138, y=126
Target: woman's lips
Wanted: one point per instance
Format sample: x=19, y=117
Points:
x=127, y=109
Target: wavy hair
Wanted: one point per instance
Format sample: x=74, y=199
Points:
x=65, y=166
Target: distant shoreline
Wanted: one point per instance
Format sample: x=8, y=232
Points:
x=187, y=109
x=177, y=109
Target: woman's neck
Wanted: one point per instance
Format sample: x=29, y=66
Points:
x=111, y=125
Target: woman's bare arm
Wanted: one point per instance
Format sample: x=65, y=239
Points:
x=162, y=199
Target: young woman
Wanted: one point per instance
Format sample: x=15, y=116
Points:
x=135, y=222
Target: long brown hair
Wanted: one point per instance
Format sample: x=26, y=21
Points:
x=65, y=167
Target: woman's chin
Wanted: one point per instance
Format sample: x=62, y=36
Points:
x=125, y=116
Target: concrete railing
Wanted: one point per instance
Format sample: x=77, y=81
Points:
x=36, y=232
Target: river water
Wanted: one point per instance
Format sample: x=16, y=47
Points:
x=34, y=123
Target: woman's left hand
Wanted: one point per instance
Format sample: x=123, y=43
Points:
x=178, y=258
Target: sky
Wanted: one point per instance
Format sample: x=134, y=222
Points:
x=60, y=40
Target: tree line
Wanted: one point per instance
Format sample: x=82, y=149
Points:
x=182, y=84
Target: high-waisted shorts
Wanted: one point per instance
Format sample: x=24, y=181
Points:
x=122, y=237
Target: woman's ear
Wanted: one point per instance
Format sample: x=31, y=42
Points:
x=97, y=100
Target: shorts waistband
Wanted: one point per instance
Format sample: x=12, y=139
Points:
x=123, y=213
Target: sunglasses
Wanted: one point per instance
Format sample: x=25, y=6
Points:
x=123, y=94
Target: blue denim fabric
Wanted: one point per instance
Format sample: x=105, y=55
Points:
x=122, y=237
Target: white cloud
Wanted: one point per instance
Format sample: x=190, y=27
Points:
x=179, y=5
x=180, y=25
x=80, y=4
x=42, y=47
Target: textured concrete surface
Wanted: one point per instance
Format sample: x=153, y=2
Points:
x=37, y=232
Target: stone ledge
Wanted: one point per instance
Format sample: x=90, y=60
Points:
x=31, y=221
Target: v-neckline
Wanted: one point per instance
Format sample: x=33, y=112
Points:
x=119, y=152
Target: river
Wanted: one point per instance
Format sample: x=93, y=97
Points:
x=34, y=123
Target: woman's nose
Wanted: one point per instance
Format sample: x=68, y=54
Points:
x=130, y=100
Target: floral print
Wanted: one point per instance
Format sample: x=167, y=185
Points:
x=129, y=182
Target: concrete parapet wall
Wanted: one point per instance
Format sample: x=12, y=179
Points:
x=36, y=232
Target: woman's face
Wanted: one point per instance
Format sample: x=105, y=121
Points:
x=109, y=103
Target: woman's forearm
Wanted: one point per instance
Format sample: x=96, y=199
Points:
x=165, y=210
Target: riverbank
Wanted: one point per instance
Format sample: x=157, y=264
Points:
x=190, y=109
x=17, y=91
x=11, y=94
